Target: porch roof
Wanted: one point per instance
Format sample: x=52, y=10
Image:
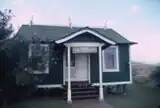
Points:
x=54, y=33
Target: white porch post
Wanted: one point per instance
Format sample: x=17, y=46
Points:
x=101, y=97
x=69, y=71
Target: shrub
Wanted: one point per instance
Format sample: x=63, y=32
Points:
x=141, y=79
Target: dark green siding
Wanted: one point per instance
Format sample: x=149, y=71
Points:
x=55, y=75
x=122, y=75
x=24, y=53
x=94, y=68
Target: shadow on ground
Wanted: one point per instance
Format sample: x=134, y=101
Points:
x=139, y=96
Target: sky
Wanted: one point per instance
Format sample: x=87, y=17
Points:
x=136, y=20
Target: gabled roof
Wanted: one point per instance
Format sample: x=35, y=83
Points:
x=85, y=30
x=54, y=33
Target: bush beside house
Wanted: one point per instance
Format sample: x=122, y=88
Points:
x=15, y=82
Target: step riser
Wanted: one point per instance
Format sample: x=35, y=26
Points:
x=81, y=90
x=81, y=98
x=82, y=83
x=83, y=93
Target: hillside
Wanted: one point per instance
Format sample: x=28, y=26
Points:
x=140, y=68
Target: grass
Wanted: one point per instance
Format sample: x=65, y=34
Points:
x=42, y=103
x=139, y=96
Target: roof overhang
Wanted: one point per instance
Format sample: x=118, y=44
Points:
x=130, y=43
x=86, y=30
x=133, y=43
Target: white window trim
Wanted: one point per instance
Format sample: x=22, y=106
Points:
x=117, y=61
x=112, y=83
x=30, y=54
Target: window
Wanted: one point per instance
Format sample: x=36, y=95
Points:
x=39, y=58
x=110, y=59
x=72, y=63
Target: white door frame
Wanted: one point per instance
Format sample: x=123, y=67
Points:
x=88, y=67
x=64, y=67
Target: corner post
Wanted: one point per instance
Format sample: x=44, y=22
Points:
x=130, y=65
x=69, y=100
x=101, y=96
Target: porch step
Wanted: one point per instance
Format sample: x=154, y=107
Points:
x=78, y=84
x=81, y=90
x=82, y=97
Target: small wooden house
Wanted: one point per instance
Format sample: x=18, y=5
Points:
x=84, y=56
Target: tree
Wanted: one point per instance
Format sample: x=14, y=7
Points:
x=5, y=31
x=12, y=73
x=5, y=28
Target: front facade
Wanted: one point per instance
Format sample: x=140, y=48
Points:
x=100, y=57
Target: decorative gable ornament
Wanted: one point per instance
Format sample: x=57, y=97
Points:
x=105, y=24
x=31, y=21
x=70, y=23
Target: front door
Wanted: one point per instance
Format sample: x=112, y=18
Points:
x=79, y=67
x=82, y=67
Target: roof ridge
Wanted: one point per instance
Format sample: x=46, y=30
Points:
x=60, y=31
x=64, y=26
x=54, y=25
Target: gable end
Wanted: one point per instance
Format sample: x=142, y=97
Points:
x=86, y=30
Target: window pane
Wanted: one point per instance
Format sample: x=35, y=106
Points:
x=39, y=57
x=72, y=60
x=110, y=59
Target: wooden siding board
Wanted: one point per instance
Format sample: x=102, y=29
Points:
x=123, y=74
x=94, y=68
x=55, y=75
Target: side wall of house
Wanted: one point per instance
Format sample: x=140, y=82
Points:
x=55, y=75
x=120, y=76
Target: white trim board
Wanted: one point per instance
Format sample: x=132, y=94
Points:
x=50, y=86
x=84, y=31
x=83, y=44
x=89, y=68
x=112, y=83
x=130, y=65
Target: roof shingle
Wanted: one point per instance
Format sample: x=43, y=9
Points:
x=53, y=33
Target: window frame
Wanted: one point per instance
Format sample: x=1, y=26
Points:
x=30, y=54
x=117, y=60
